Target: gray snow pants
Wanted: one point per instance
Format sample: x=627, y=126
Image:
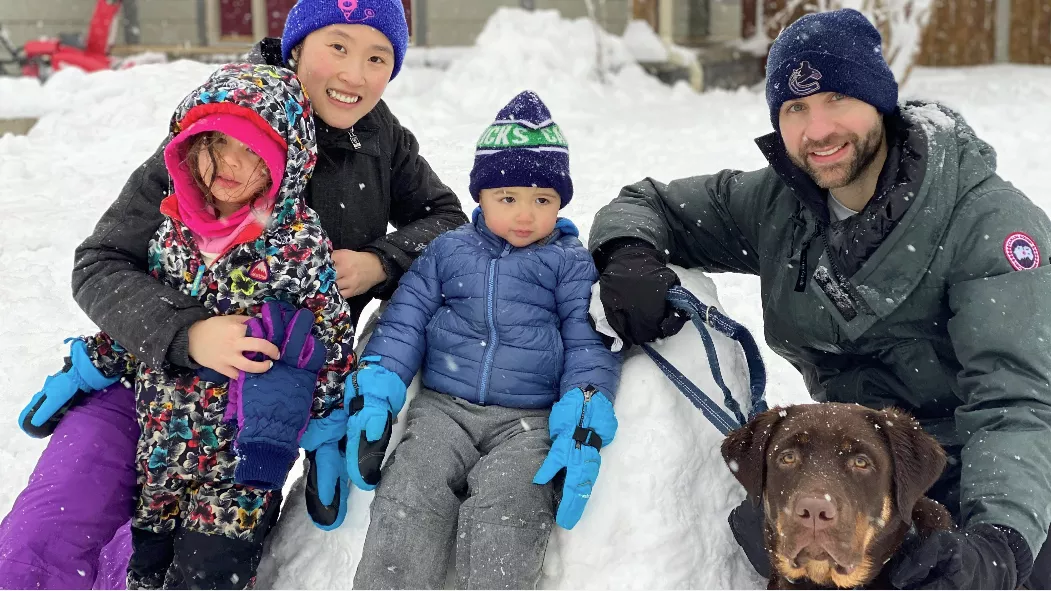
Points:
x=461, y=479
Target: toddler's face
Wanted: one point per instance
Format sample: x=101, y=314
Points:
x=235, y=175
x=520, y=215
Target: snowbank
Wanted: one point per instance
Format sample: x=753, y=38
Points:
x=662, y=483
x=643, y=42
x=556, y=57
x=659, y=507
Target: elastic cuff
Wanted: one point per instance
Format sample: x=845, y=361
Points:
x=179, y=350
x=90, y=375
x=264, y=465
x=384, y=290
x=604, y=252
x=1022, y=552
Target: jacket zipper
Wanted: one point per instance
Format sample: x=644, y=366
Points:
x=490, y=303
x=588, y=393
x=843, y=284
x=859, y=304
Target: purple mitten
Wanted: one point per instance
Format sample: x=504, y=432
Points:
x=270, y=326
x=274, y=407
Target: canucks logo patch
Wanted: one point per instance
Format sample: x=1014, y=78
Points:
x=804, y=79
x=1021, y=251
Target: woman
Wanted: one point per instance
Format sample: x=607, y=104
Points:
x=369, y=172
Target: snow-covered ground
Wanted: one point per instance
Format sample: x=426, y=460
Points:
x=658, y=515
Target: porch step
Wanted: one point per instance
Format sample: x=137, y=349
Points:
x=722, y=65
x=16, y=126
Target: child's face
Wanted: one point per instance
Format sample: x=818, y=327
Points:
x=236, y=176
x=520, y=215
x=345, y=69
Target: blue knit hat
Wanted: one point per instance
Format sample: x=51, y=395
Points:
x=386, y=16
x=523, y=148
x=838, y=51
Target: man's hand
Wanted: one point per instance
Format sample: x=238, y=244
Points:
x=357, y=272
x=633, y=288
x=219, y=343
x=982, y=556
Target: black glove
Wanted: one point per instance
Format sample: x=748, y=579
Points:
x=981, y=556
x=633, y=288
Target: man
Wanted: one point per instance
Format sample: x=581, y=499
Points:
x=897, y=269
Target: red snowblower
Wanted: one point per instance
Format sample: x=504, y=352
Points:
x=90, y=53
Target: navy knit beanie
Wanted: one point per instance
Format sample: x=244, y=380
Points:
x=523, y=148
x=838, y=51
x=386, y=16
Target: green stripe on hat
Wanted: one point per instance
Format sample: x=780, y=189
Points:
x=516, y=135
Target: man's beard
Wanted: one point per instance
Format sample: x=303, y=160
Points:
x=843, y=173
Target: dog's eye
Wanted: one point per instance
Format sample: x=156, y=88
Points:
x=788, y=458
x=861, y=463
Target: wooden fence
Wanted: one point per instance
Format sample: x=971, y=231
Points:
x=960, y=32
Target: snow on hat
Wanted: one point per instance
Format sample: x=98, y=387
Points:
x=838, y=51
x=386, y=16
x=523, y=148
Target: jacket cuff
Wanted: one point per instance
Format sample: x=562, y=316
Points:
x=264, y=465
x=1023, y=555
x=385, y=290
x=604, y=252
x=179, y=350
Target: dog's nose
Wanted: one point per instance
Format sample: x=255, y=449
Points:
x=816, y=511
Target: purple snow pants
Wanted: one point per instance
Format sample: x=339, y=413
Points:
x=69, y=528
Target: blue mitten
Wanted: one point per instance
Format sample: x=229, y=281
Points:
x=581, y=423
x=379, y=395
x=62, y=391
x=327, y=481
x=273, y=408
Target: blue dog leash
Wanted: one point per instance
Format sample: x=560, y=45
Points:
x=701, y=315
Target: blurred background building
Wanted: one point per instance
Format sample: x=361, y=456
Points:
x=955, y=33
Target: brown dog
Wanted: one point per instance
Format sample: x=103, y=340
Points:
x=841, y=484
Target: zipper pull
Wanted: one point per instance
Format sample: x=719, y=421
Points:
x=197, y=280
x=507, y=249
x=801, y=280
x=354, y=141
x=582, y=434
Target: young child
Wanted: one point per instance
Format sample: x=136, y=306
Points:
x=496, y=312
x=213, y=453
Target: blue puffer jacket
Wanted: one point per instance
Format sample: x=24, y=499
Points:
x=494, y=324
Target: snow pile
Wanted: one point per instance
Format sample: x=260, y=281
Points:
x=659, y=506
x=558, y=58
x=658, y=517
x=643, y=42
x=23, y=97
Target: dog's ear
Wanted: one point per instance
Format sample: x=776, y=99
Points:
x=744, y=451
x=918, y=458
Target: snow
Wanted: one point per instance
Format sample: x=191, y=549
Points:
x=643, y=42
x=657, y=518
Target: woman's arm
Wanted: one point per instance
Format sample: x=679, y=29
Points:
x=422, y=208
x=110, y=279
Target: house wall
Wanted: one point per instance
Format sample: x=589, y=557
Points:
x=458, y=22
x=161, y=22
